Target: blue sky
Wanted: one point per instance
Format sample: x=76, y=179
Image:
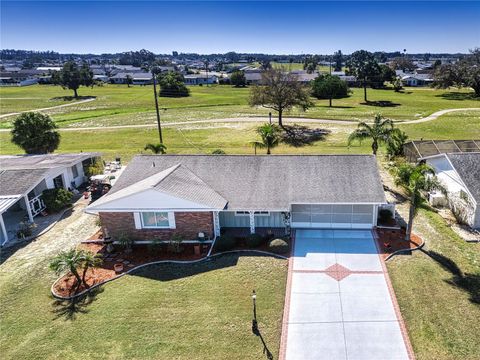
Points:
x=285, y=27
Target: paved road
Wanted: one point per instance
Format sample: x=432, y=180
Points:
x=340, y=305
x=48, y=108
x=287, y=120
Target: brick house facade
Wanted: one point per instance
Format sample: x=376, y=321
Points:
x=188, y=225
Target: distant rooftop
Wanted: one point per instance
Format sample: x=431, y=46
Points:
x=45, y=161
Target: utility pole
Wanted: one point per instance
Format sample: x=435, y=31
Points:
x=156, y=106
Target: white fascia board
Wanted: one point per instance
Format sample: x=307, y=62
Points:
x=148, y=200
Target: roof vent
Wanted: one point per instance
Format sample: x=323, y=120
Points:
x=153, y=164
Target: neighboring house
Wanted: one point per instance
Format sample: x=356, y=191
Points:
x=138, y=78
x=459, y=173
x=24, y=177
x=417, y=149
x=200, y=79
x=159, y=196
x=417, y=79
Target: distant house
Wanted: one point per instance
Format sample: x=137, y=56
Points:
x=20, y=77
x=417, y=79
x=138, y=78
x=253, y=77
x=157, y=197
x=23, y=179
x=200, y=79
x=460, y=175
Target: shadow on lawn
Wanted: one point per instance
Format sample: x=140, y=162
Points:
x=454, y=95
x=72, y=98
x=298, y=135
x=70, y=309
x=469, y=283
x=381, y=103
x=266, y=351
x=172, y=271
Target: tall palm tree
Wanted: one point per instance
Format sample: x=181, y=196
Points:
x=90, y=260
x=415, y=180
x=269, y=135
x=379, y=131
x=69, y=261
x=156, y=148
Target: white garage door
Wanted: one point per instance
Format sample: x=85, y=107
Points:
x=332, y=216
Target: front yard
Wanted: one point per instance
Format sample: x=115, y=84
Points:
x=438, y=291
x=200, y=311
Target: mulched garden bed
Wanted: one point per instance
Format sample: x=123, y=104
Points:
x=391, y=240
x=141, y=254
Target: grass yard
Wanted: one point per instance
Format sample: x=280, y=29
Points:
x=201, y=311
x=441, y=310
x=234, y=138
x=120, y=105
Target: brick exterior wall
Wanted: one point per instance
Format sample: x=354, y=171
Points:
x=188, y=225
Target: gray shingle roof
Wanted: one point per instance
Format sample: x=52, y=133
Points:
x=50, y=161
x=468, y=168
x=264, y=182
x=18, y=182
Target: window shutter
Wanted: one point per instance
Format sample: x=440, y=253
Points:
x=171, y=219
x=138, y=222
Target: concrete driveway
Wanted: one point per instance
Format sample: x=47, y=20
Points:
x=340, y=305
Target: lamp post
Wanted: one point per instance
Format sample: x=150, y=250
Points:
x=254, y=320
x=270, y=117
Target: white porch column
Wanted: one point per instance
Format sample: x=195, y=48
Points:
x=252, y=222
x=216, y=223
x=4, y=230
x=27, y=206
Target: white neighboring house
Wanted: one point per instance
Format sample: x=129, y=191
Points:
x=200, y=79
x=460, y=175
x=23, y=179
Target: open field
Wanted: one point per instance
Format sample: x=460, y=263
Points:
x=120, y=105
x=234, y=138
x=441, y=309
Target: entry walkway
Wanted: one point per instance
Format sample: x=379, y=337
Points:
x=340, y=304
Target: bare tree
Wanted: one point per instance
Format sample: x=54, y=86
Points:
x=280, y=91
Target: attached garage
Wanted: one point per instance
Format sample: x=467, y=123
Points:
x=334, y=216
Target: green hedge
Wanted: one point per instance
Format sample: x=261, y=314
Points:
x=56, y=199
x=278, y=246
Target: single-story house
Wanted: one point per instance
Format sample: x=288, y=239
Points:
x=459, y=173
x=200, y=79
x=138, y=78
x=158, y=196
x=23, y=179
x=417, y=79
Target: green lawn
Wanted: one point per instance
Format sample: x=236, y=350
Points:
x=440, y=309
x=235, y=138
x=118, y=104
x=162, y=312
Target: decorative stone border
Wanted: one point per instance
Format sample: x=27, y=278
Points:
x=205, y=258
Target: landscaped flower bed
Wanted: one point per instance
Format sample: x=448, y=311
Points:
x=389, y=241
x=140, y=254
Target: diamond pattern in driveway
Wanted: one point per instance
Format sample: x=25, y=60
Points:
x=340, y=305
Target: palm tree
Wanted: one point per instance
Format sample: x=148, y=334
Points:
x=69, y=261
x=156, y=148
x=379, y=132
x=90, y=260
x=415, y=180
x=270, y=137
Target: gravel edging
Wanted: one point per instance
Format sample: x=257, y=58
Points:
x=206, y=258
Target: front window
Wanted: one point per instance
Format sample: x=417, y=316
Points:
x=155, y=220
x=74, y=171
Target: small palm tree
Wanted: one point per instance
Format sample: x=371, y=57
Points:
x=379, y=132
x=90, y=260
x=269, y=135
x=415, y=180
x=69, y=261
x=156, y=148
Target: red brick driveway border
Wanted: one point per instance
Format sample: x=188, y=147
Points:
x=286, y=310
